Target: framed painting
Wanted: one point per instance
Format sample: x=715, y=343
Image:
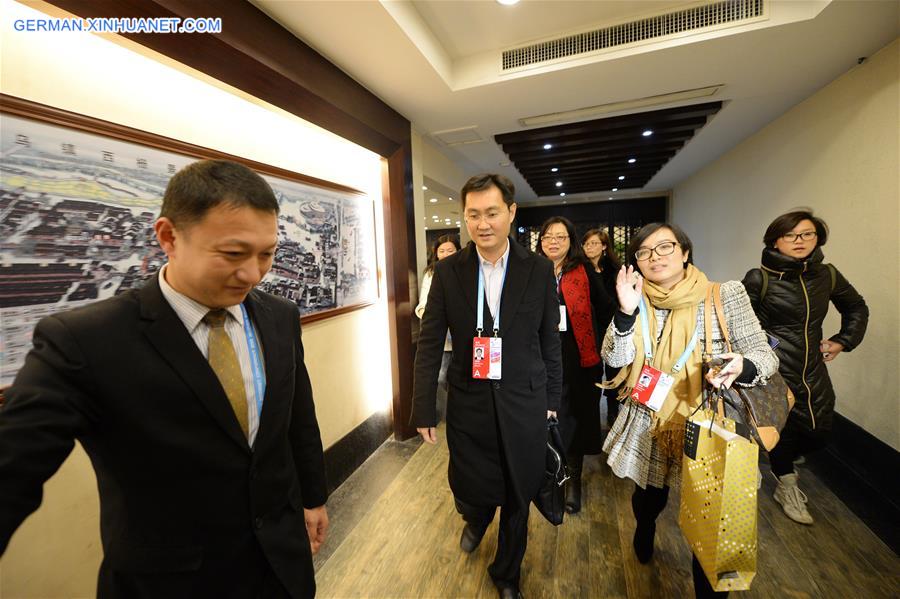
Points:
x=78, y=199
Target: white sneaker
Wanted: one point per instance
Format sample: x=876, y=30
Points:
x=792, y=499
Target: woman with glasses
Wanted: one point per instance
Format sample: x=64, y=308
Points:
x=602, y=255
x=790, y=294
x=443, y=246
x=581, y=298
x=659, y=325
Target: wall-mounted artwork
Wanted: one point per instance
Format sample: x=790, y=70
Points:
x=78, y=199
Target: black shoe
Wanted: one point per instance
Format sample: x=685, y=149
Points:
x=573, y=493
x=471, y=538
x=643, y=541
x=509, y=593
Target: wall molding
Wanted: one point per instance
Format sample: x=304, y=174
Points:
x=862, y=471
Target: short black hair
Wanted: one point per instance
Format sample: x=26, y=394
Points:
x=487, y=180
x=786, y=222
x=647, y=230
x=203, y=185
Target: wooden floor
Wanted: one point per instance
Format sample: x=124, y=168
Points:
x=400, y=539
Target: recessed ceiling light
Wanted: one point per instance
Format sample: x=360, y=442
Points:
x=554, y=169
x=457, y=223
x=563, y=194
x=450, y=199
x=433, y=200
x=615, y=189
x=507, y=2
x=610, y=197
x=632, y=160
x=621, y=177
x=426, y=228
x=548, y=146
x=424, y=188
x=559, y=183
x=647, y=133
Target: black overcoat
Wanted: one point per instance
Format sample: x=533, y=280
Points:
x=495, y=429
x=187, y=509
x=793, y=310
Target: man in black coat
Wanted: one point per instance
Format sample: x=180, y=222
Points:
x=192, y=400
x=496, y=427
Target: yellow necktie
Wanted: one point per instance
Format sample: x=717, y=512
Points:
x=224, y=362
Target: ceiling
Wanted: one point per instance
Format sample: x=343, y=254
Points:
x=437, y=64
x=603, y=154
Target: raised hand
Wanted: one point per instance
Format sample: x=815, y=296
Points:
x=629, y=286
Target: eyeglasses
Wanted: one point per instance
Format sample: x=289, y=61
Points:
x=556, y=238
x=489, y=217
x=663, y=248
x=805, y=236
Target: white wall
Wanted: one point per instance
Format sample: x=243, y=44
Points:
x=837, y=152
x=347, y=356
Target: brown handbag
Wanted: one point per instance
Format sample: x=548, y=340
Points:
x=763, y=408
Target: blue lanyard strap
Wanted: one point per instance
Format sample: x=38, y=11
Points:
x=648, y=350
x=259, y=377
x=479, y=326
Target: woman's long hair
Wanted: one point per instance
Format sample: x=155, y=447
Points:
x=609, y=260
x=575, y=255
x=432, y=251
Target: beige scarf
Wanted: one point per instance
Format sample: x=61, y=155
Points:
x=682, y=300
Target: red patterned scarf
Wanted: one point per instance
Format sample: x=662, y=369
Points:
x=576, y=290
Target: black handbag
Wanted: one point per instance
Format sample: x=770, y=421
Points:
x=551, y=499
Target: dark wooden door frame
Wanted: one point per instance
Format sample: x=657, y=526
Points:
x=257, y=55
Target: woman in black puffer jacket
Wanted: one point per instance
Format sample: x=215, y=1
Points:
x=790, y=295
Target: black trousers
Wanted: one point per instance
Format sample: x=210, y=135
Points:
x=794, y=442
x=647, y=504
x=506, y=569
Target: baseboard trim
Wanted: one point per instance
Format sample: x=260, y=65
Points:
x=862, y=471
x=345, y=456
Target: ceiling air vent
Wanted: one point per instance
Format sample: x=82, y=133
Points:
x=699, y=17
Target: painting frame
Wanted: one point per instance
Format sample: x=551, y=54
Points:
x=42, y=113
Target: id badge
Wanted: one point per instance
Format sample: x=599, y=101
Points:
x=496, y=358
x=652, y=387
x=563, y=326
x=487, y=355
x=481, y=353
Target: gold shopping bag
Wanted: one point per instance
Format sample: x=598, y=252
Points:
x=718, y=500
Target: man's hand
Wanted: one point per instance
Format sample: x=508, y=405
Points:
x=316, y=526
x=429, y=434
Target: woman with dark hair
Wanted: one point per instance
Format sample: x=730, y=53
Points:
x=581, y=298
x=790, y=294
x=599, y=250
x=443, y=246
x=660, y=324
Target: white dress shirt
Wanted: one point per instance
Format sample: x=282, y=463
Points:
x=493, y=278
x=191, y=314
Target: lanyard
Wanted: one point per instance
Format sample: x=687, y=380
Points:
x=259, y=378
x=480, y=324
x=648, y=351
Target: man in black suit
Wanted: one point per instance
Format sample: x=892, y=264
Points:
x=496, y=427
x=192, y=400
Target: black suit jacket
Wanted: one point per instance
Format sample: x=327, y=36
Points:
x=493, y=427
x=187, y=508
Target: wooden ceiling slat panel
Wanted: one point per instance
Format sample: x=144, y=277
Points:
x=656, y=117
x=592, y=155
